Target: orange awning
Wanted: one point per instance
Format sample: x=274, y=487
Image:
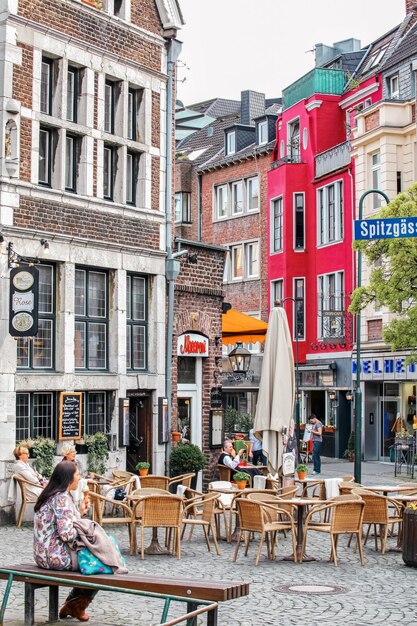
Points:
x=237, y=326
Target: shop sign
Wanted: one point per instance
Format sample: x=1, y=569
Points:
x=192, y=344
x=386, y=368
x=23, y=306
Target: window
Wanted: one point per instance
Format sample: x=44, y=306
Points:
x=277, y=292
x=299, y=308
x=38, y=352
x=399, y=182
x=136, y=316
x=376, y=179
x=109, y=107
x=277, y=217
x=182, y=210
x=131, y=114
x=299, y=227
x=330, y=213
x=46, y=86
x=237, y=262
x=95, y=412
x=221, y=201
x=330, y=291
x=132, y=161
x=108, y=172
x=252, y=259
x=35, y=415
x=294, y=141
x=72, y=94
x=71, y=150
x=186, y=371
x=119, y=8
x=263, y=132
x=91, y=319
x=230, y=142
x=237, y=197
x=253, y=193
x=375, y=58
x=45, y=160
x=374, y=330
x=394, y=86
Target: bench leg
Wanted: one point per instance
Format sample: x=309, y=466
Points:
x=212, y=618
x=191, y=606
x=29, y=604
x=53, y=603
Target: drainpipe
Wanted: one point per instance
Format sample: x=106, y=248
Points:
x=200, y=209
x=172, y=264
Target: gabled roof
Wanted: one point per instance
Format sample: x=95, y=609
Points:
x=379, y=52
x=405, y=48
x=217, y=107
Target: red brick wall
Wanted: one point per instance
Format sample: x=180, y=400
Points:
x=94, y=28
x=58, y=218
x=25, y=148
x=23, y=77
x=372, y=121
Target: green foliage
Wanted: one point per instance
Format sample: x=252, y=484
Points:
x=235, y=421
x=44, y=451
x=186, y=458
x=238, y=476
x=393, y=277
x=98, y=453
x=301, y=468
x=142, y=465
x=349, y=453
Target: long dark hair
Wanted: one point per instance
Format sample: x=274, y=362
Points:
x=61, y=478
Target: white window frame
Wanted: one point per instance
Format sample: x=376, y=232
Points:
x=293, y=153
x=263, y=133
x=376, y=179
x=221, y=192
x=250, y=182
x=274, y=284
x=234, y=252
x=230, y=142
x=302, y=194
x=236, y=185
x=277, y=249
x=182, y=209
x=251, y=255
x=323, y=295
x=325, y=221
x=394, y=86
x=298, y=304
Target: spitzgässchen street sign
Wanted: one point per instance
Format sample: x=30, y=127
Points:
x=389, y=228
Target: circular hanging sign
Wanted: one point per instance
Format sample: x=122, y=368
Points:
x=22, y=322
x=23, y=280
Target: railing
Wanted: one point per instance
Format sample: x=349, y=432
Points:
x=318, y=81
x=333, y=159
x=285, y=161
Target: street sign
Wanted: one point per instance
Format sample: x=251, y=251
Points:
x=388, y=228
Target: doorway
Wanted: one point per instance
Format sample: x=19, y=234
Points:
x=140, y=432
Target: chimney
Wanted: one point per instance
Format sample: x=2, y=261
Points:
x=252, y=104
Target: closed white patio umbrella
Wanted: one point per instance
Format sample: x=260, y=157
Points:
x=275, y=406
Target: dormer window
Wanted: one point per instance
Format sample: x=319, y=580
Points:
x=394, y=87
x=230, y=142
x=262, y=133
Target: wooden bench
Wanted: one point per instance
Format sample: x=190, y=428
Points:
x=193, y=591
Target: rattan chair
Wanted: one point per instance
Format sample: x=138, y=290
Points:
x=153, y=480
x=255, y=518
x=225, y=473
x=26, y=497
x=159, y=511
x=380, y=511
x=122, y=475
x=183, y=479
x=203, y=511
x=345, y=518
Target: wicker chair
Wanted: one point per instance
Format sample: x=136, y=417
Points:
x=153, y=480
x=225, y=473
x=203, y=511
x=347, y=486
x=159, y=511
x=345, y=518
x=122, y=475
x=183, y=479
x=255, y=518
x=380, y=511
x=25, y=496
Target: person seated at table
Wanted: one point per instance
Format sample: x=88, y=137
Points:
x=26, y=471
x=230, y=459
x=54, y=530
x=255, y=453
x=69, y=452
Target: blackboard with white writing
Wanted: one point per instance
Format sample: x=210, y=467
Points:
x=70, y=416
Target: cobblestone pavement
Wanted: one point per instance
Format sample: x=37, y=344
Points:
x=380, y=592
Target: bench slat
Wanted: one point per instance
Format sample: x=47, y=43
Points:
x=202, y=589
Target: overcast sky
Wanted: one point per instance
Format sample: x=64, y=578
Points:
x=232, y=45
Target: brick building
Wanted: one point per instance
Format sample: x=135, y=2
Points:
x=83, y=164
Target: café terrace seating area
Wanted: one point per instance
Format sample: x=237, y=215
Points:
x=161, y=514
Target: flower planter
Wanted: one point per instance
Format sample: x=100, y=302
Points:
x=176, y=436
x=241, y=484
x=143, y=472
x=301, y=475
x=410, y=537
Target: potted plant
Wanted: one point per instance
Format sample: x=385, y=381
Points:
x=349, y=453
x=98, y=453
x=176, y=435
x=409, y=548
x=301, y=470
x=186, y=458
x=241, y=479
x=44, y=451
x=143, y=467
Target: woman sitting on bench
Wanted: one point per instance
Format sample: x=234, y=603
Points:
x=54, y=529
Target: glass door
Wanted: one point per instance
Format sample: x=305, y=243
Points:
x=389, y=410
x=184, y=418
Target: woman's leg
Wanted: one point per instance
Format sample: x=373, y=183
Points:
x=77, y=601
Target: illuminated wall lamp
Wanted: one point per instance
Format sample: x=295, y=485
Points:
x=349, y=396
x=332, y=396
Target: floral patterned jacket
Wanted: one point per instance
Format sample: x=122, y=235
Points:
x=53, y=528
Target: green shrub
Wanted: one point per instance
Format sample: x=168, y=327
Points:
x=143, y=465
x=235, y=421
x=186, y=458
x=44, y=451
x=98, y=453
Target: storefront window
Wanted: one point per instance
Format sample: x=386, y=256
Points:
x=186, y=370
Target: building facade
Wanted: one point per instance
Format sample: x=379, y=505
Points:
x=83, y=162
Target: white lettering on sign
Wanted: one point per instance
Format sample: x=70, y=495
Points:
x=23, y=301
x=192, y=344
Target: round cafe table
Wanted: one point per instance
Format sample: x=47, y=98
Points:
x=301, y=504
x=154, y=547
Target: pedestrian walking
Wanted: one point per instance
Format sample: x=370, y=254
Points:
x=317, y=437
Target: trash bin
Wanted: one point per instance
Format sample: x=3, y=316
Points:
x=392, y=453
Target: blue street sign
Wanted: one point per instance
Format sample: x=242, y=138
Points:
x=389, y=228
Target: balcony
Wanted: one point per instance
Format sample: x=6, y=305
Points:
x=317, y=81
x=333, y=159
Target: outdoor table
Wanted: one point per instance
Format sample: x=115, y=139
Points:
x=306, y=481
x=301, y=504
x=154, y=547
x=386, y=489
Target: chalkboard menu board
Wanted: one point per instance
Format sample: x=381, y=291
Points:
x=70, y=426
